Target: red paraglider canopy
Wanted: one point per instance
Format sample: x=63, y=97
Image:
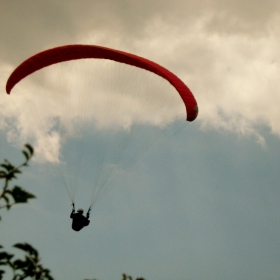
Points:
x=72, y=52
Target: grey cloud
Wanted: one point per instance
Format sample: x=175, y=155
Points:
x=29, y=26
x=247, y=17
x=207, y=43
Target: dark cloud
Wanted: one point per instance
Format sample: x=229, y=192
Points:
x=201, y=41
x=29, y=26
x=247, y=17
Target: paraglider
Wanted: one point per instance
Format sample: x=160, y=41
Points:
x=81, y=52
x=73, y=52
x=78, y=220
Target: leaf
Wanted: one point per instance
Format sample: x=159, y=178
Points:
x=20, y=264
x=30, y=149
x=7, y=165
x=26, y=155
x=6, y=198
x=3, y=174
x=30, y=270
x=48, y=276
x=21, y=196
x=5, y=256
x=28, y=248
x=11, y=176
x=1, y=273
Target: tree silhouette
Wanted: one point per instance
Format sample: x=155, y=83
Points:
x=127, y=277
x=29, y=266
x=24, y=268
x=9, y=172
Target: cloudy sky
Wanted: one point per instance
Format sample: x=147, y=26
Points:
x=201, y=202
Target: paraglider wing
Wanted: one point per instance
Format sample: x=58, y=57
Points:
x=72, y=52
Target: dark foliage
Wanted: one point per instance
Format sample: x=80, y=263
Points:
x=29, y=266
x=24, y=268
x=12, y=196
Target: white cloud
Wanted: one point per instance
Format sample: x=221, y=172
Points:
x=66, y=99
x=227, y=53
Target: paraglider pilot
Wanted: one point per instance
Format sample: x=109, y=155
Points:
x=78, y=220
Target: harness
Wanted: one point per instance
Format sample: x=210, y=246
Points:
x=88, y=212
